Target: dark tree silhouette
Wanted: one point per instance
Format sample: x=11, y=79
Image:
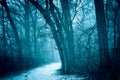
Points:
x=102, y=38
x=63, y=35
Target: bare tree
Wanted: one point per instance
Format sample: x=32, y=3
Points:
x=102, y=38
x=61, y=27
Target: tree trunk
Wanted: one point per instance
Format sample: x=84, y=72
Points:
x=35, y=36
x=67, y=25
x=27, y=29
x=3, y=51
x=14, y=30
x=116, y=50
x=102, y=38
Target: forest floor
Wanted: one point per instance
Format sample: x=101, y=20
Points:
x=46, y=72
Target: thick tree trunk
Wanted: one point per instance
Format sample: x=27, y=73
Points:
x=63, y=48
x=67, y=25
x=102, y=38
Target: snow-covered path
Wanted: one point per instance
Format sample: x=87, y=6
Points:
x=46, y=72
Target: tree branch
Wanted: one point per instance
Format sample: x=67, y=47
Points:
x=50, y=22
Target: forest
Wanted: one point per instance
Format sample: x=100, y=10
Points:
x=82, y=35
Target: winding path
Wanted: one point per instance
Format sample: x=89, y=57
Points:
x=47, y=72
